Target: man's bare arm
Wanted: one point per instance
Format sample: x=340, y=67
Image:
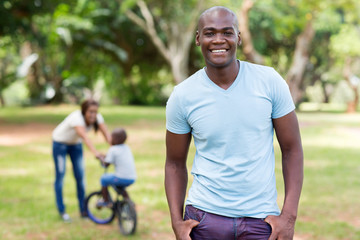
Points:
x=176, y=179
x=288, y=135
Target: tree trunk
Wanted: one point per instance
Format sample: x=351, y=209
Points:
x=325, y=92
x=248, y=48
x=32, y=76
x=57, y=85
x=179, y=72
x=3, y=80
x=300, y=59
x=178, y=57
x=2, y=100
x=347, y=73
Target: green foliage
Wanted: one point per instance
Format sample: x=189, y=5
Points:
x=8, y=62
x=275, y=26
x=16, y=94
x=126, y=5
x=117, y=56
x=139, y=88
x=347, y=42
x=326, y=63
x=83, y=42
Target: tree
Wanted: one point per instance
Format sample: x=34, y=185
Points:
x=345, y=47
x=8, y=62
x=300, y=60
x=22, y=22
x=335, y=49
x=282, y=21
x=171, y=28
x=249, y=50
x=128, y=56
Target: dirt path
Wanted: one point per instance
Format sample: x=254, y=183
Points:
x=16, y=134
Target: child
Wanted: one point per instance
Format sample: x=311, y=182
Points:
x=120, y=155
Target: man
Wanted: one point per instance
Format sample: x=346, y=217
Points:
x=231, y=109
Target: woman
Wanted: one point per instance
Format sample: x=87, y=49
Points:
x=67, y=140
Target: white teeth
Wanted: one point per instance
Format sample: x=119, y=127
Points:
x=218, y=50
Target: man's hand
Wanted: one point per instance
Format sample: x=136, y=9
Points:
x=282, y=227
x=182, y=229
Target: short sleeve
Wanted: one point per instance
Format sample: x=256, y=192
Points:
x=176, y=121
x=281, y=97
x=76, y=119
x=110, y=156
x=100, y=118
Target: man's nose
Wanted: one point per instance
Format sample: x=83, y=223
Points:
x=219, y=38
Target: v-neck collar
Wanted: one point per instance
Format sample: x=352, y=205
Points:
x=232, y=86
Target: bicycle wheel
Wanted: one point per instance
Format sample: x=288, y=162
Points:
x=99, y=215
x=126, y=215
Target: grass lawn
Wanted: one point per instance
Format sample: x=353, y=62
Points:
x=329, y=207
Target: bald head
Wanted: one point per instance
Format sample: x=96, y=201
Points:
x=214, y=12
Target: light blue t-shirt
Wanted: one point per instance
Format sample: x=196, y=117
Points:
x=234, y=163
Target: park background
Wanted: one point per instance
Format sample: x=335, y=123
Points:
x=129, y=55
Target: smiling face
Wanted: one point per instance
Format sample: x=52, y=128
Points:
x=89, y=109
x=90, y=114
x=218, y=37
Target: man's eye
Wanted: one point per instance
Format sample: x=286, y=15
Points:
x=228, y=33
x=208, y=34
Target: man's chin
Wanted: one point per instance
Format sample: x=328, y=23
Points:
x=219, y=63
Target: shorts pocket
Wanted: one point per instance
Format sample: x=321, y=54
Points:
x=260, y=228
x=194, y=213
x=266, y=223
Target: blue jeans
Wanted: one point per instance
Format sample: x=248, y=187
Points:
x=60, y=150
x=110, y=179
x=216, y=227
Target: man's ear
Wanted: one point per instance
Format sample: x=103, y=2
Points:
x=239, y=39
x=197, y=39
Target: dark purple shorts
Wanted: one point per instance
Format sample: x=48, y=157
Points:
x=216, y=227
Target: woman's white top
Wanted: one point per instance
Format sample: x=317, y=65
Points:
x=65, y=132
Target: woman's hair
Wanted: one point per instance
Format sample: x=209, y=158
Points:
x=85, y=106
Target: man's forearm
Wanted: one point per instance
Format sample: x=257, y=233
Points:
x=293, y=178
x=175, y=186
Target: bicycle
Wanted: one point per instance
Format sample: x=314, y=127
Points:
x=121, y=206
